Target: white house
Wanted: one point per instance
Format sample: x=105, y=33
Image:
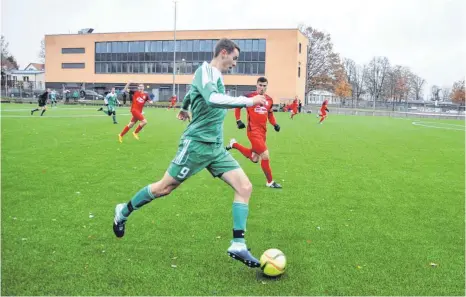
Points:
x=32, y=77
x=318, y=96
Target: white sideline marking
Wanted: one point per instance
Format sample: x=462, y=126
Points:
x=48, y=107
x=52, y=116
x=439, y=126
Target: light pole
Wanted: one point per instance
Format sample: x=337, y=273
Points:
x=183, y=61
x=174, y=51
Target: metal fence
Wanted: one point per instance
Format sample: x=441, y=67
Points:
x=403, y=110
x=22, y=89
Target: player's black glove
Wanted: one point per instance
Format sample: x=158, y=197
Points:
x=106, y=104
x=240, y=124
x=277, y=127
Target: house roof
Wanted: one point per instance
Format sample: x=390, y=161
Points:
x=14, y=71
x=38, y=66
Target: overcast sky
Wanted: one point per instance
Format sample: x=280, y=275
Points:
x=426, y=35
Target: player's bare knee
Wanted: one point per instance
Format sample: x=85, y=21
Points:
x=245, y=189
x=131, y=124
x=160, y=188
x=265, y=155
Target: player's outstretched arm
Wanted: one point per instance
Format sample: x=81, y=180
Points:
x=238, y=114
x=125, y=89
x=239, y=123
x=216, y=99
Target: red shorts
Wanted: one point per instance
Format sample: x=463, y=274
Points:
x=137, y=116
x=323, y=113
x=257, y=142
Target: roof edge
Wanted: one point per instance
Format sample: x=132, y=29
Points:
x=178, y=31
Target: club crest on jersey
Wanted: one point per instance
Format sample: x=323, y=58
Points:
x=260, y=109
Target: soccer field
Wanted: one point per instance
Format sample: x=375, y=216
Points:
x=369, y=206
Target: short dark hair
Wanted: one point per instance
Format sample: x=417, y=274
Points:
x=227, y=45
x=262, y=80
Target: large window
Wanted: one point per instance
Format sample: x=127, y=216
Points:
x=156, y=56
x=69, y=50
x=72, y=65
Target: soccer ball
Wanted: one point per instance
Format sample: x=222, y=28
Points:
x=273, y=262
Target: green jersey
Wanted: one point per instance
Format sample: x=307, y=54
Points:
x=111, y=99
x=208, y=105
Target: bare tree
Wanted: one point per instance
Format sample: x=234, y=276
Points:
x=446, y=93
x=375, y=75
x=349, y=68
x=398, y=85
x=417, y=83
x=4, y=48
x=358, y=83
x=8, y=61
x=435, y=91
x=322, y=62
x=42, y=51
x=355, y=74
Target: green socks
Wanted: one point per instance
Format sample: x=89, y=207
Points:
x=141, y=198
x=240, y=216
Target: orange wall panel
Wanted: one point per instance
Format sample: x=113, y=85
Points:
x=281, y=68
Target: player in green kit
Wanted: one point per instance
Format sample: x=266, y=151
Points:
x=201, y=147
x=111, y=101
x=53, y=98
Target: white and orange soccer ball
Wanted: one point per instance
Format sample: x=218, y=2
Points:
x=273, y=262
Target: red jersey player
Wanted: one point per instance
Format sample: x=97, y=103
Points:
x=257, y=130
x=173, y=100
x=294, y=107
x=139, y=99
x=323, y=111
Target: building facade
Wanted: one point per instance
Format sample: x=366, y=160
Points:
x=99, y=61
x=25, y=79
x=319, y=96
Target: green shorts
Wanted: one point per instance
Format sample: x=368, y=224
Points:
x=111, y=108
x=193, y=156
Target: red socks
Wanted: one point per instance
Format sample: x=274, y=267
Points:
x=138, y=129
x=265, y=164
x=245, y=151
x=126, y=129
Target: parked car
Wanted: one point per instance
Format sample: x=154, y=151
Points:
x=20, y=93
x=93, y=95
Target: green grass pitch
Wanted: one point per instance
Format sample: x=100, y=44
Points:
x=369, y=205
